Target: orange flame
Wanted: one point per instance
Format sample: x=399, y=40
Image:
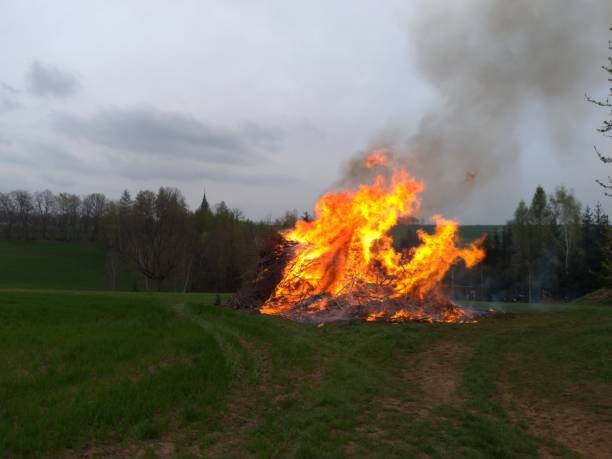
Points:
x=346, y=251
x=377, y=158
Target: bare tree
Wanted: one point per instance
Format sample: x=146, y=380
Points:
x=68, y=215
x=159, y=234
x=92, y=210
x=7, y=213
x=44, y=208
x=288, y=219
x=112, y=266
x=566, y=211
x=606, y=127
x=23, y=210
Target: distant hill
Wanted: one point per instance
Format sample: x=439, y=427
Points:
x=599, y=296
x=52, y=265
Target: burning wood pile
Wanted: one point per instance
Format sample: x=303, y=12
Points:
x=342, y=265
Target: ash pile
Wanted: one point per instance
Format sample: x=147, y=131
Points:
x=372, y=306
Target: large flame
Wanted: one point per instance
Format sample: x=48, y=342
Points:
x=344, y=258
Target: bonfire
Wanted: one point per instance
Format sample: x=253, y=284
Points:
x=343, y=265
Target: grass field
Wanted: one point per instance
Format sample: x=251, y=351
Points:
x=52, y=265
x=56, y=265
x=164, y=375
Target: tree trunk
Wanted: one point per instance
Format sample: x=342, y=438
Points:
x=567, y=250
x=529, y=292
x=188, y=275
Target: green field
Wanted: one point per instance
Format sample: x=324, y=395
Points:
x=170, y=375
x=52, y=265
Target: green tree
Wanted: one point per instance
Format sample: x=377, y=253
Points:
x=590, y=265
x=521, y=236
x=124, y=211
x=603, y=238
x=540, y=242
x=566, y=211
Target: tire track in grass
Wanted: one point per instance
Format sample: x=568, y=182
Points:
x=251, y=368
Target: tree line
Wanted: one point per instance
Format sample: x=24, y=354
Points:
x=552, y=248
x=153, y=238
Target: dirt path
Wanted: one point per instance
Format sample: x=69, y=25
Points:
x=571, y=425
x=437, y=372
x=433, y=378
x=574, y=426
x=241, y=411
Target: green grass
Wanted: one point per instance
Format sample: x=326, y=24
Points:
x=52, y=265
x=123, y=374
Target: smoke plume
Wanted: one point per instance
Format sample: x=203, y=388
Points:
x=489, y=62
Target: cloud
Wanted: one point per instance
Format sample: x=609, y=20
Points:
x=41, y=155
x=8, y=88
x=8, y=98
x=142, y=169
x=144, y=143
x=44, y=80
x=166, y=134
x=8, y=105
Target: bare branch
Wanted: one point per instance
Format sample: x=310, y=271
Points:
x=607, y=126
x=603, y=185
x=604, y=159
x=602, y=103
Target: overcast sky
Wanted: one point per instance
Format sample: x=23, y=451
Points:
x=260, y=103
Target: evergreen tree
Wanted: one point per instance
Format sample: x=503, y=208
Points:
x=539, y=212
x=589, y=256
x=603, y=246
x=125, y=202
x=124, y=213
x=521, y=236
x=540, y=242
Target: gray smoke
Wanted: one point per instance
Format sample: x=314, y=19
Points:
x=490, y=61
